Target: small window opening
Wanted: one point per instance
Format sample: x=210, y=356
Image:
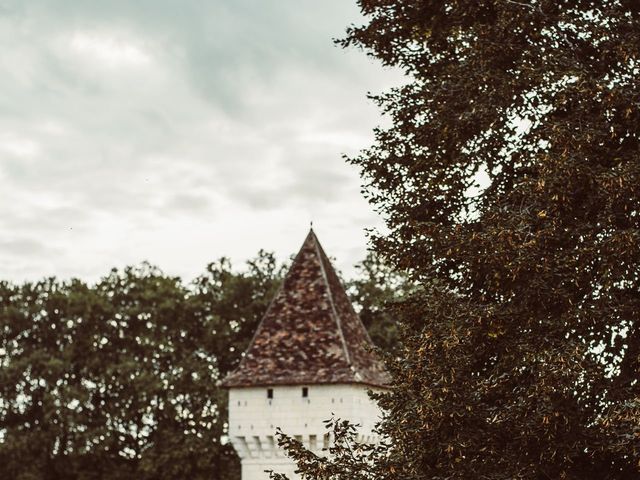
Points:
x=269, y=393
x=305, y=392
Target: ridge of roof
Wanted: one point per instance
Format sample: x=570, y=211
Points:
x=330, y=294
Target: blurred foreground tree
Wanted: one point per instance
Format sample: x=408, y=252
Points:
x=510, y=183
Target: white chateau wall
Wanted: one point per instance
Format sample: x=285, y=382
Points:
x=253, y=419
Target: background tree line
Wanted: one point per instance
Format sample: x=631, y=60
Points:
x=117, y=380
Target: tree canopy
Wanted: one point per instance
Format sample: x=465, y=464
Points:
x=510, y=184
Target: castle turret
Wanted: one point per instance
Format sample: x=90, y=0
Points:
x=309, y=358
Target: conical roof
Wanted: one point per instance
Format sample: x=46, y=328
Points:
x=310, y=333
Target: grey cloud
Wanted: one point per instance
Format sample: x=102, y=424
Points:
x=263, y=198
x=301, y=191
x=188, y=203
x=227, y=48
x=242, y=105
x=24, y=247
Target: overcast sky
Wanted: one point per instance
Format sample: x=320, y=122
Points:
x=178, y=132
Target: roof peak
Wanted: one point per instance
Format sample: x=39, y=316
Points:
x=310, y=332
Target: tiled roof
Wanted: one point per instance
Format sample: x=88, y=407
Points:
x=310, y=333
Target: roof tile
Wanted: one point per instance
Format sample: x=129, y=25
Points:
x=310, y=333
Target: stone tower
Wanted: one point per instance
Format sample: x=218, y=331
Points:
x=308, y=359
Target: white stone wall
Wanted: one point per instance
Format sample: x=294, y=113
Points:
x=253, y=419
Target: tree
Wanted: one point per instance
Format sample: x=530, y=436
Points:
x=510, y=184
x=118, y=380
x=230, y=305
x=374, y=292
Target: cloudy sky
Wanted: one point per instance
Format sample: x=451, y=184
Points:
x=179, y=131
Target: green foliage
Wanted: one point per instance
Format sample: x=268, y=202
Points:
x=118, y=380
x=375, y=291
x=510, y=184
